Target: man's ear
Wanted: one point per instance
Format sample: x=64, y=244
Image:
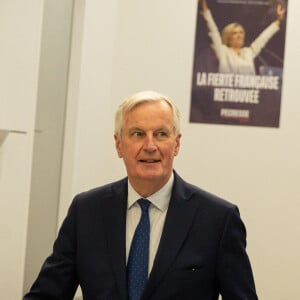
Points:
x=177, y=147
x=117, y=145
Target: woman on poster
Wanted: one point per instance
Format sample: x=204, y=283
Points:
x=232, y=55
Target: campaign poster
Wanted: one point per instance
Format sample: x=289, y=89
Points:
x=238, y=66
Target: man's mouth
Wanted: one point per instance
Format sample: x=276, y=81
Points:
x=149, y=161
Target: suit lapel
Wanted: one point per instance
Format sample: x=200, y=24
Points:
x=177, y=224
x=115, y=226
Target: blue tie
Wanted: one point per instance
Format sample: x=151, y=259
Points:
x=137, y=265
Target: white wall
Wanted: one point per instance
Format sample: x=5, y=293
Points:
x=49, y=134
x=20, y=36
x=34, y=57
x=89, y=101
x=135, y=45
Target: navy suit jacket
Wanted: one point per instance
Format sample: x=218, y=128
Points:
x=201, y=253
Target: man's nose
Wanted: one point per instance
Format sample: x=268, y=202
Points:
x=149, y=143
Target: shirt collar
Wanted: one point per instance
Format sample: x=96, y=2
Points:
x=160, y=199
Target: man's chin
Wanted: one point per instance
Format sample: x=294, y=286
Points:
x=151, y=175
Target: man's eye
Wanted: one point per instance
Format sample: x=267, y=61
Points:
x=137, y=133
x=162, y=133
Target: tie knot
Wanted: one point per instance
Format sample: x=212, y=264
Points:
x=144, y=204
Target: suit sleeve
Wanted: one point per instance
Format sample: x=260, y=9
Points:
x=57, y=279
x=234, y=269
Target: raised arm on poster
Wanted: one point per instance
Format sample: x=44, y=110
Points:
x=232, y=55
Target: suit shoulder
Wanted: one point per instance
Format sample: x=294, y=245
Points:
x=207, y=198
x=112, y=189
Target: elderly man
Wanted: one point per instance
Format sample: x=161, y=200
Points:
x=150, y=235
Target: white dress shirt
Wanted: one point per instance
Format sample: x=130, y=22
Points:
x=157, y=214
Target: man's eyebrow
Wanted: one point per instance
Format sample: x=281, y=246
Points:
x=163, y=129
x=135, y=128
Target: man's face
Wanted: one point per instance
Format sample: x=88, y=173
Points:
x=148, y=143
